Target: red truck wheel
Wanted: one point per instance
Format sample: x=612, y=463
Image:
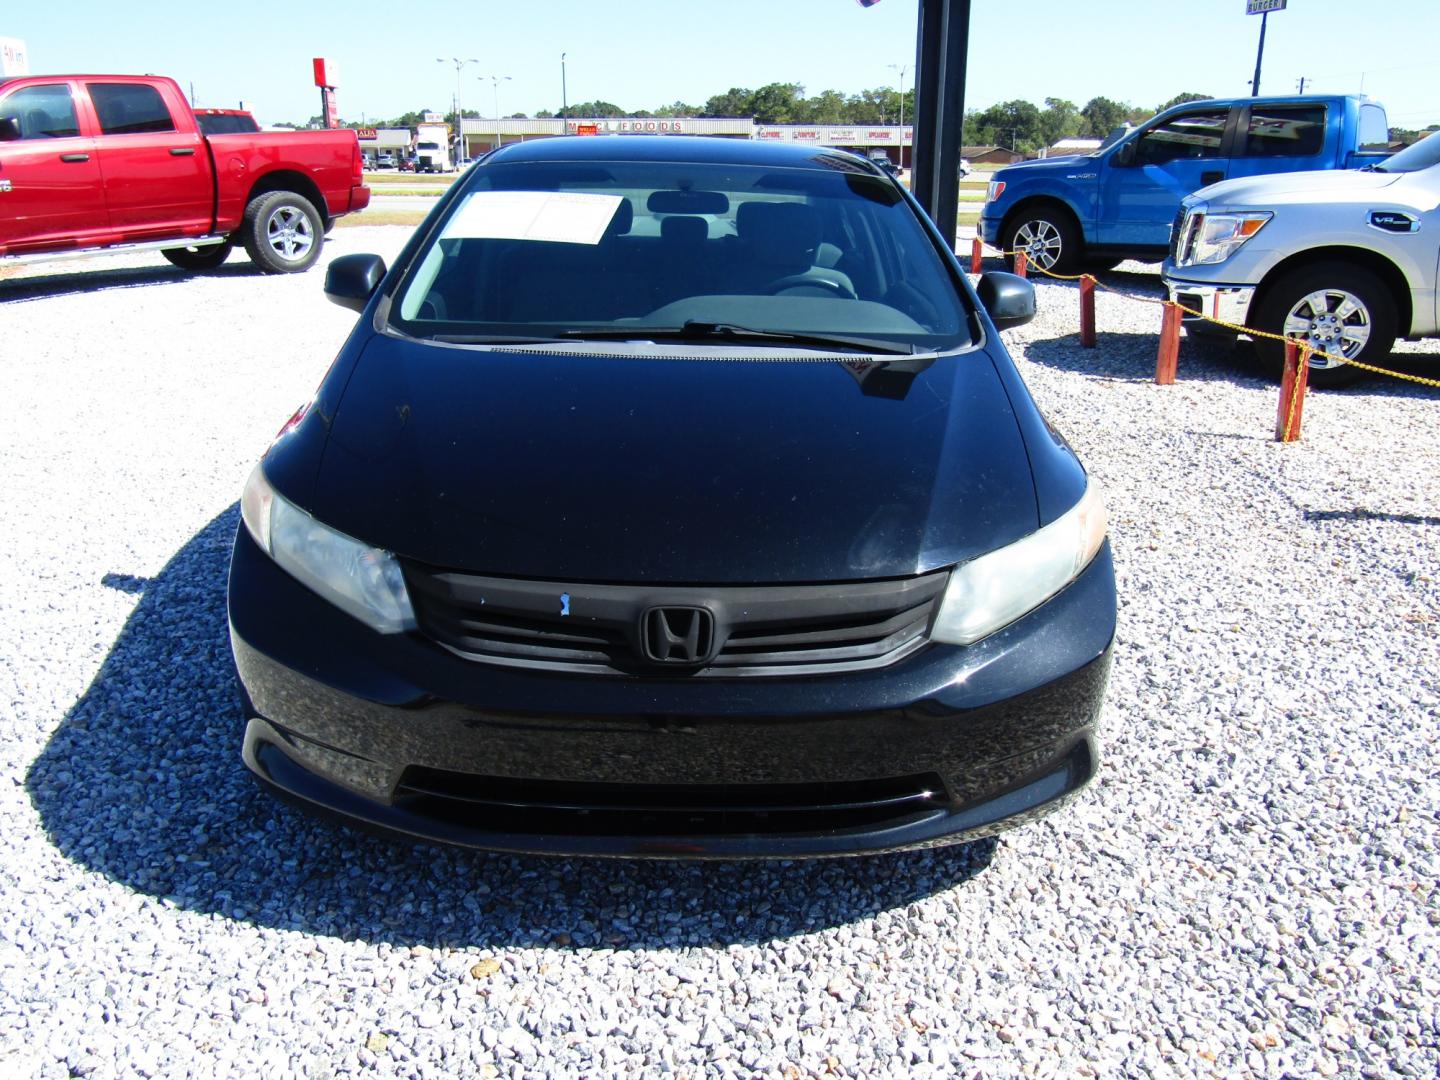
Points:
x=282, y=232
x=199, y=258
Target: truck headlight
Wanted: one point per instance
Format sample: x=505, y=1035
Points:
x=1213, y=238
x=993, y=590
x=360, y=580
x=994, y=190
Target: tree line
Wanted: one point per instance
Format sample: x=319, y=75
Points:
x=1020, y=125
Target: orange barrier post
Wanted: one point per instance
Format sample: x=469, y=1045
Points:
x=1020, y=263
x=977, y=252
x=1169, y=355
x=1292, y=392
x=1087, y=312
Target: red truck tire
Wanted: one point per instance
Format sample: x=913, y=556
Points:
x=282, y=232
x=199, y=258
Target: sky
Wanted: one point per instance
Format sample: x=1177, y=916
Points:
x=645, y=53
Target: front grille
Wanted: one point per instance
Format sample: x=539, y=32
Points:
x=602, y=629
x=1177, y=227
x=503, y=804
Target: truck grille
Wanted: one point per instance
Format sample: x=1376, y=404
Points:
x=705, y=631
x=1176, y=228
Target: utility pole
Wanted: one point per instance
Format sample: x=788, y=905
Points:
x=1302, y=84
x=459, y=115
x=901, y=68
x=564, y=97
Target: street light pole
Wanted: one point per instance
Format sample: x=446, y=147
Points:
x=459, y=113
x=495, y=81
x=564, y=96
x=1259, y=55
x=901, y=68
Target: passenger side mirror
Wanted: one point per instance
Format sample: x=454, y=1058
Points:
x=351, y=280
x=9, y=129
x=1124, y=156
x=1008, y=299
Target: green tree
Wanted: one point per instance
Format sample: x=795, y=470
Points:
x=1060, y=120
x=1015, y=124
x=587, y=109
x=1102, y=115
x=734, y=102
x=777, y=103
x=1181, y=99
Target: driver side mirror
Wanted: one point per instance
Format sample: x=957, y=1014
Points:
x=351, y=280
x=1124, y=156
x=1008, y=299
x=9, y=129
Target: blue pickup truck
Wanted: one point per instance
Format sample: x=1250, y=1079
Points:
x=1091, y=211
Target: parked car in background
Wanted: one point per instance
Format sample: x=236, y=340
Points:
x=225, y=121
x=385, y=160
x=117, y=163
x=1119, y=202
x=674, y=497
x=965, y=168
x=1346, y=262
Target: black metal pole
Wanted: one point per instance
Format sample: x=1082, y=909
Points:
x=1259, y=55
x=942, y=42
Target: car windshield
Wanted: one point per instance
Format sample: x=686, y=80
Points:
x=649, y=250
x=1416, y=156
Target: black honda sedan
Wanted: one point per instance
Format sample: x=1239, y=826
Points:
x=673, y=497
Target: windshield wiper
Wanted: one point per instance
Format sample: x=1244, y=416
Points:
x=695, y=330
x=492, y=339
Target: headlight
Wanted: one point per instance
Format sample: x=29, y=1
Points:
x=995, y=589
x=1213, y=238
x=358, y=579
x=994, y=190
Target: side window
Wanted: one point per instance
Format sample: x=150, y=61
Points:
x=129, y=108
x=1374, y=128
x=1192, y=135
x=1285, y=131
x=43, y=112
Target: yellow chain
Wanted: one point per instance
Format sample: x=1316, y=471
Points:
x=1228, y=325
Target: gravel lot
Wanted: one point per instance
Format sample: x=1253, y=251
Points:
x=1248, y=888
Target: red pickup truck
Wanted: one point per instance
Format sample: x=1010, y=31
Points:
x=98, y=163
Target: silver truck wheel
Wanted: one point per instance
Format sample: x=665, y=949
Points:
x=1047, y=235
x=1334, y=307
x=282, y=232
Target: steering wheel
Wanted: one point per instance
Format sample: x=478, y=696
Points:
x=795, y=281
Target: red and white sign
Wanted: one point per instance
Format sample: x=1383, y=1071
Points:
x=326, y=72
x=364, y=134
x=14, y=60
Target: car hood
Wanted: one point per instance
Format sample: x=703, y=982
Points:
x=687, y=469
x=1296, y=187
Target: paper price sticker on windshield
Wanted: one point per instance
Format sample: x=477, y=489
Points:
x=550, y=216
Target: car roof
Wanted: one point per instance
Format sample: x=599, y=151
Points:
x=681, y=148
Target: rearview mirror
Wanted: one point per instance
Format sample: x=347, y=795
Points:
x=351, y=280
x=687, y=202
x=9, y=129
x=1009, y=300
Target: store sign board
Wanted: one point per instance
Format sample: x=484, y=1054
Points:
x=14, y=58
x=1262, y=7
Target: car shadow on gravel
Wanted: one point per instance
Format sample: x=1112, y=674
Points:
x=143, y=783
x=1130, y=357
x=16, y=289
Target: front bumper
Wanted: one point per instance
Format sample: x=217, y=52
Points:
x=1222, y=303
x=398, y=734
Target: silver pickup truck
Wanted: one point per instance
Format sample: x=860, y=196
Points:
x=1346, y=261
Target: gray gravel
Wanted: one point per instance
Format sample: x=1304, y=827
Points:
x=1248, y=889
